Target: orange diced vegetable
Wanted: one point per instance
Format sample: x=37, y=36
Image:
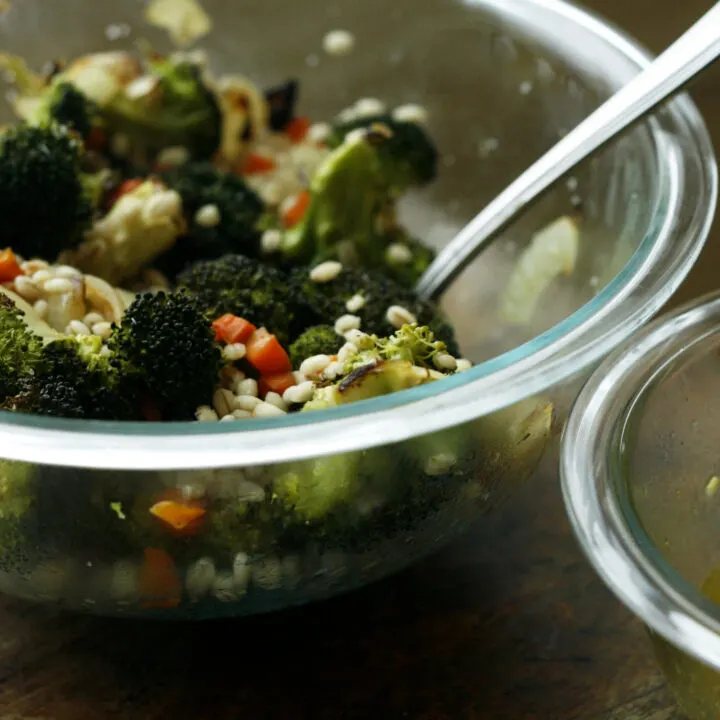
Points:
x=295, y=211
x=265, y=353
x=277, y=383
x=232, y=329
x=298, y=129
x=160, y=584
x=182, y=517
x=255, y=164
x=125, y=187
x=9, y=268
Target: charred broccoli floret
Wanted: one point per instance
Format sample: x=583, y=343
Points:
x=166, y=344
x=351, y=216
x=329, y=301
x=317, y=340
x=347, y=196
x=144, y=223
x=245, y=287
x=168, y=107
x=45, y=202
x=407, y=158
x=20, y=349
x=75, y=379
x=240, y=209
x=64, y=104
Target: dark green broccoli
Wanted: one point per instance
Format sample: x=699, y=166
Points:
x=408, y=157
x=328, y=301
x=166, y=344
x=351, y=216
x=20, y=349
x=177, y=110
x=45, y=202
x=74, y=379
x=201, y=184
x=242, y=286
x=406, y=259
x=317, y=340
x=347, y=197
x=66, y=105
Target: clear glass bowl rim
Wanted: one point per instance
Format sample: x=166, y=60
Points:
x=609, y=532
x=554, y=356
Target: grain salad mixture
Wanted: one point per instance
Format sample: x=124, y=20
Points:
x=182, y=246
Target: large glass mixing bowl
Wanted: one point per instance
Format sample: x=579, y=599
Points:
x=502, y=80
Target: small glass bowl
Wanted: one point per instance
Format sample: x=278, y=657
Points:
x=501, y=80
x=641, y=473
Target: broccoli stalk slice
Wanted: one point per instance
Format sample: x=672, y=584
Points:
x=347, y=192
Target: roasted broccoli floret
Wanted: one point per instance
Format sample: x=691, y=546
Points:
x=347, y=196
x=45, y=203
x=317, y=340
x=240, y=209
x=20, y=349
x=144, y=223
x=76, y=380
x=168, y=107
x=245, y=287
x=329, y=301
x=165, y=342
x=64, y=104
x=408, y=157
x=351, y=216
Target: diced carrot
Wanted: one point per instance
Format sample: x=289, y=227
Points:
x=232, y=329
x=9, y=268
x=96, y=140
x=295, y=211
x=265, y=353
x=160, y=584
x=125, y=187
x=298, y=129
x=277, y=383
x=181, y=517
x=255, y=164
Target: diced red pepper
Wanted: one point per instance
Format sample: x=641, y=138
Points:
x=295, y=211
x=232, y=329
x=255, y=164
x=277, y=383
x=9, y=267
x=265, y=353
x=297, y=129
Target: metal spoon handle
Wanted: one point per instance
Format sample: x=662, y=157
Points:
x=686, y=57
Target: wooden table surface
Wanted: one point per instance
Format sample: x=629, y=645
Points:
x=509, y=623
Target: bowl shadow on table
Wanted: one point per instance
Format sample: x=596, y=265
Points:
x=508, y=623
